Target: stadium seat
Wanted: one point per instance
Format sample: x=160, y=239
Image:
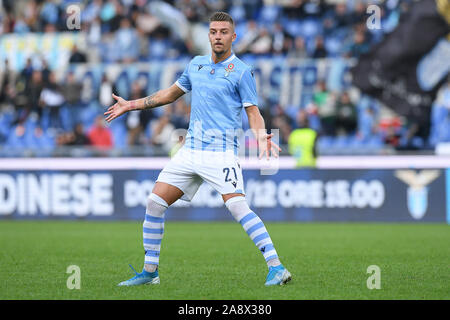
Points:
x=333, y=46
x=88, y=114
x=310, y=29
x=119, y=133
x=238, y=14
x=269, y=14
x=292, y=26
x=324, y=143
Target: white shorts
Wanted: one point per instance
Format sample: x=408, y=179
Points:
x=189, y=168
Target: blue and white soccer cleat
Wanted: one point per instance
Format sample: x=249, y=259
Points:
x=141, y=278
x=278, y=275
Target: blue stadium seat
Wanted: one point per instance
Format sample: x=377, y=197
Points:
x=310, y=28
x=88, y=114
x=291, y=111
x=325, y=142
x=15, y=142
x=417, y=142
x=269, y=14
x=333, y=46
x=374, y=142
x=314, y=122
x=342, y=142
x=66, y=117
x=238, y=13
x=291, y=26
x=119, y=133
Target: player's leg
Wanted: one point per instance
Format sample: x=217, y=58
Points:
x=223, y=172
x=256, y=230
x=176, y=180
x=163, y=195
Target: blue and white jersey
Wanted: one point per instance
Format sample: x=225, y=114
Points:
x=219, y=92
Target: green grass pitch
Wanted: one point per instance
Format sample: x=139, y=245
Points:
x=218, y=261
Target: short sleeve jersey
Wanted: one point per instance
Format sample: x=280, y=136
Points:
x=219, y=92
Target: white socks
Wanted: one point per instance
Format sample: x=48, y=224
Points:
x=254, y=227
x=153, y=231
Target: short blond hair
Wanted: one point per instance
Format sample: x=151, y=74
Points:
x=221, y=16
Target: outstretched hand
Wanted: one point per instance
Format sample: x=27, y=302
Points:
x=118, y=109
x=267, y=147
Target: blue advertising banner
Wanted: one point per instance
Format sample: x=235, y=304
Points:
x=291, y=195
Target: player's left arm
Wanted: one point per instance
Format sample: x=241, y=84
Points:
x=265, y=144
x=249, y=99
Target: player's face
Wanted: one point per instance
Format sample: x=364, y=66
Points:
x=221, y=36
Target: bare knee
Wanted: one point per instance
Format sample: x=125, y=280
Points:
x=167, y=192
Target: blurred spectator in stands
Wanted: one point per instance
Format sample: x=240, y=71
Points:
x=293, y=9
x=392, y=137
x=299, y=50
x=105, y=92
x=45, y=71
x=263, y=43
x=359, y=14
x=94, y=39
x=49, y=13
x=16, y=139
x=180, y=115
x=33, y=93
x=49, y=28
x=247, y=39
x=40, y=140
x=251, y=8
x=324, y=101
x=341, y=15
x=99, y=135
x=111, y=14
x=346, y=115
x=194, y=10
x=6, y=84
x=31, y=14
x=27, y=71
x=358, y=45
x=367, y=124
x=302, y=142
x=91, y=11
x=77, y=56
x=161, y=132
x=282, y=122
x=126, y=42
x=72, y=95
x=278, y=38
x=77, y=137
x=20, y=25
x=50, y=100
x=137, y=120
x=319, y=51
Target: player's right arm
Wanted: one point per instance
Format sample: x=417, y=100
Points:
x=159, y=98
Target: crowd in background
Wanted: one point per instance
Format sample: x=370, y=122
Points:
x=37, y=110
x=143, y=30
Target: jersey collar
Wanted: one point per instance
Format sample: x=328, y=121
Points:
x=228, y=60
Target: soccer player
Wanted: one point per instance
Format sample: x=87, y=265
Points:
x=221, y=85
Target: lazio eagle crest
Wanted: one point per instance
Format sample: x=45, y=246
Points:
x=417, y=194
